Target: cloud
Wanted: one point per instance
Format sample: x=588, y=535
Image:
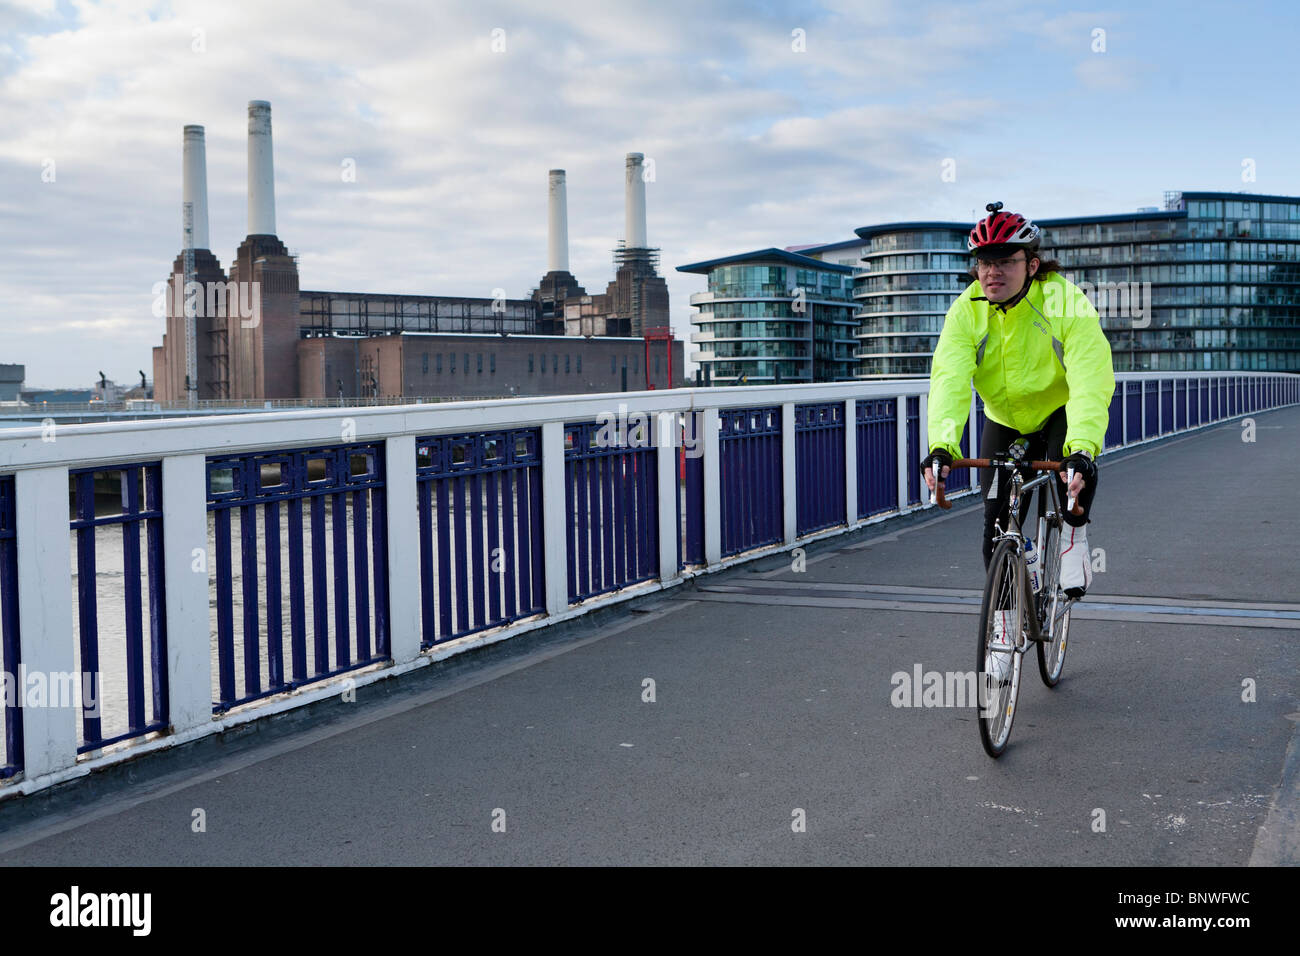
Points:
x=754, y=143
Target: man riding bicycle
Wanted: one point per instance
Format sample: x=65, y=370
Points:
x=1032, y=344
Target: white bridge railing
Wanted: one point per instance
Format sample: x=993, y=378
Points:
x=163, y=580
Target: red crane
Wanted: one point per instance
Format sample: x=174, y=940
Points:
x=659, y=333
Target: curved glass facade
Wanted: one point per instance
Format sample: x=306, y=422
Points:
x=767, y=321
x=909, y=277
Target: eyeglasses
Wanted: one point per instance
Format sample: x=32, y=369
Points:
x=998, y=265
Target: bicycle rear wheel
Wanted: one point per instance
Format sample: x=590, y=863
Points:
x=1055, y=623
x=998, y=671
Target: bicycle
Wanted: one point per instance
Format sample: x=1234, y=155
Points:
x=1007, y=589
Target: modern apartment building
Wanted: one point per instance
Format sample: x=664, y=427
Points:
x=1211, y=281
x=1224, y=280
x=773, y=315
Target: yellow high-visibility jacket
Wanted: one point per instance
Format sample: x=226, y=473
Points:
x=1048, y=350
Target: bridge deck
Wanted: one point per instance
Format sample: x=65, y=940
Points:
x=773, y=692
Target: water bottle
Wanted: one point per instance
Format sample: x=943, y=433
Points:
x=1031, y=563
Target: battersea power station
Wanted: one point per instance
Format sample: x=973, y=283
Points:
x=252, y=334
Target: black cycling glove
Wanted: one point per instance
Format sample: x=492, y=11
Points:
x=945, y=461
x=1082, y=465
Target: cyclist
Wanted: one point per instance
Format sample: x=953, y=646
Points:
x=1032, y=344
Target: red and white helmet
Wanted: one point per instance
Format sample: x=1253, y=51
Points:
x=1001, y=234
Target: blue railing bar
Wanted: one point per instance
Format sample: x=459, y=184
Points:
x=319, y=585
x=508, y=480
x=339, y=531
x=131, y=566
x=248, y=564
x=297, y=594
x=476, y=542
x=86, y=603
x=489, y=569
x=225, y=608
x=274, y=611
x=361, y=572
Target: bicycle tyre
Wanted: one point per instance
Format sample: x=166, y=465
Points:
x=996, y=706
x=1051, y=652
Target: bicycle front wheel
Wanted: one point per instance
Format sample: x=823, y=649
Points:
x=1055, y=621
x=1002, y=612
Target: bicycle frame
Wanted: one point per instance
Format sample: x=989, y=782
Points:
x=1018, y=488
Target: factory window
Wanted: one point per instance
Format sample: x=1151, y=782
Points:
x=657, y=372
x=452, y=356
x=492, y=365
x=437, y=363
x=555, y=364
x=636, y=367
x=530, y=363
x=480, y=371
x=424, y=361
x=579, y=363
x=566, y=370
x=541, y=360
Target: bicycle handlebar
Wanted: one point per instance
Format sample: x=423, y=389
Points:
x=944, y=503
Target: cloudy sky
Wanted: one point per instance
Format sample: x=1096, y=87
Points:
x=768, y=123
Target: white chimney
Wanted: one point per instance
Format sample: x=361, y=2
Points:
x=557, y=216
x=194, y=187
x=634, y=203
x=261, y=170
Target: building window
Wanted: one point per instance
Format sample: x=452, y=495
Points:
x=466, y=363
x=437, y=363
x=424, y=361
x=555, y=364
x=657, y=372
x=541, y=360
x=579, y=363
x=566, y=363
x=492, y=363
x=480, y=364
x=530, y=363
x=452, y=357
x=636, y=365
x=613, y=365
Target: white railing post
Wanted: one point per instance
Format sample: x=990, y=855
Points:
x=789, y=474
x=850, y=462
x=45, y=617
x=555, y=539
x=401, y=508
x=186, y=566
x=900, y=422
x=1142, y=412
x=923, y=421
x=668, y=458
x=712, y=427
